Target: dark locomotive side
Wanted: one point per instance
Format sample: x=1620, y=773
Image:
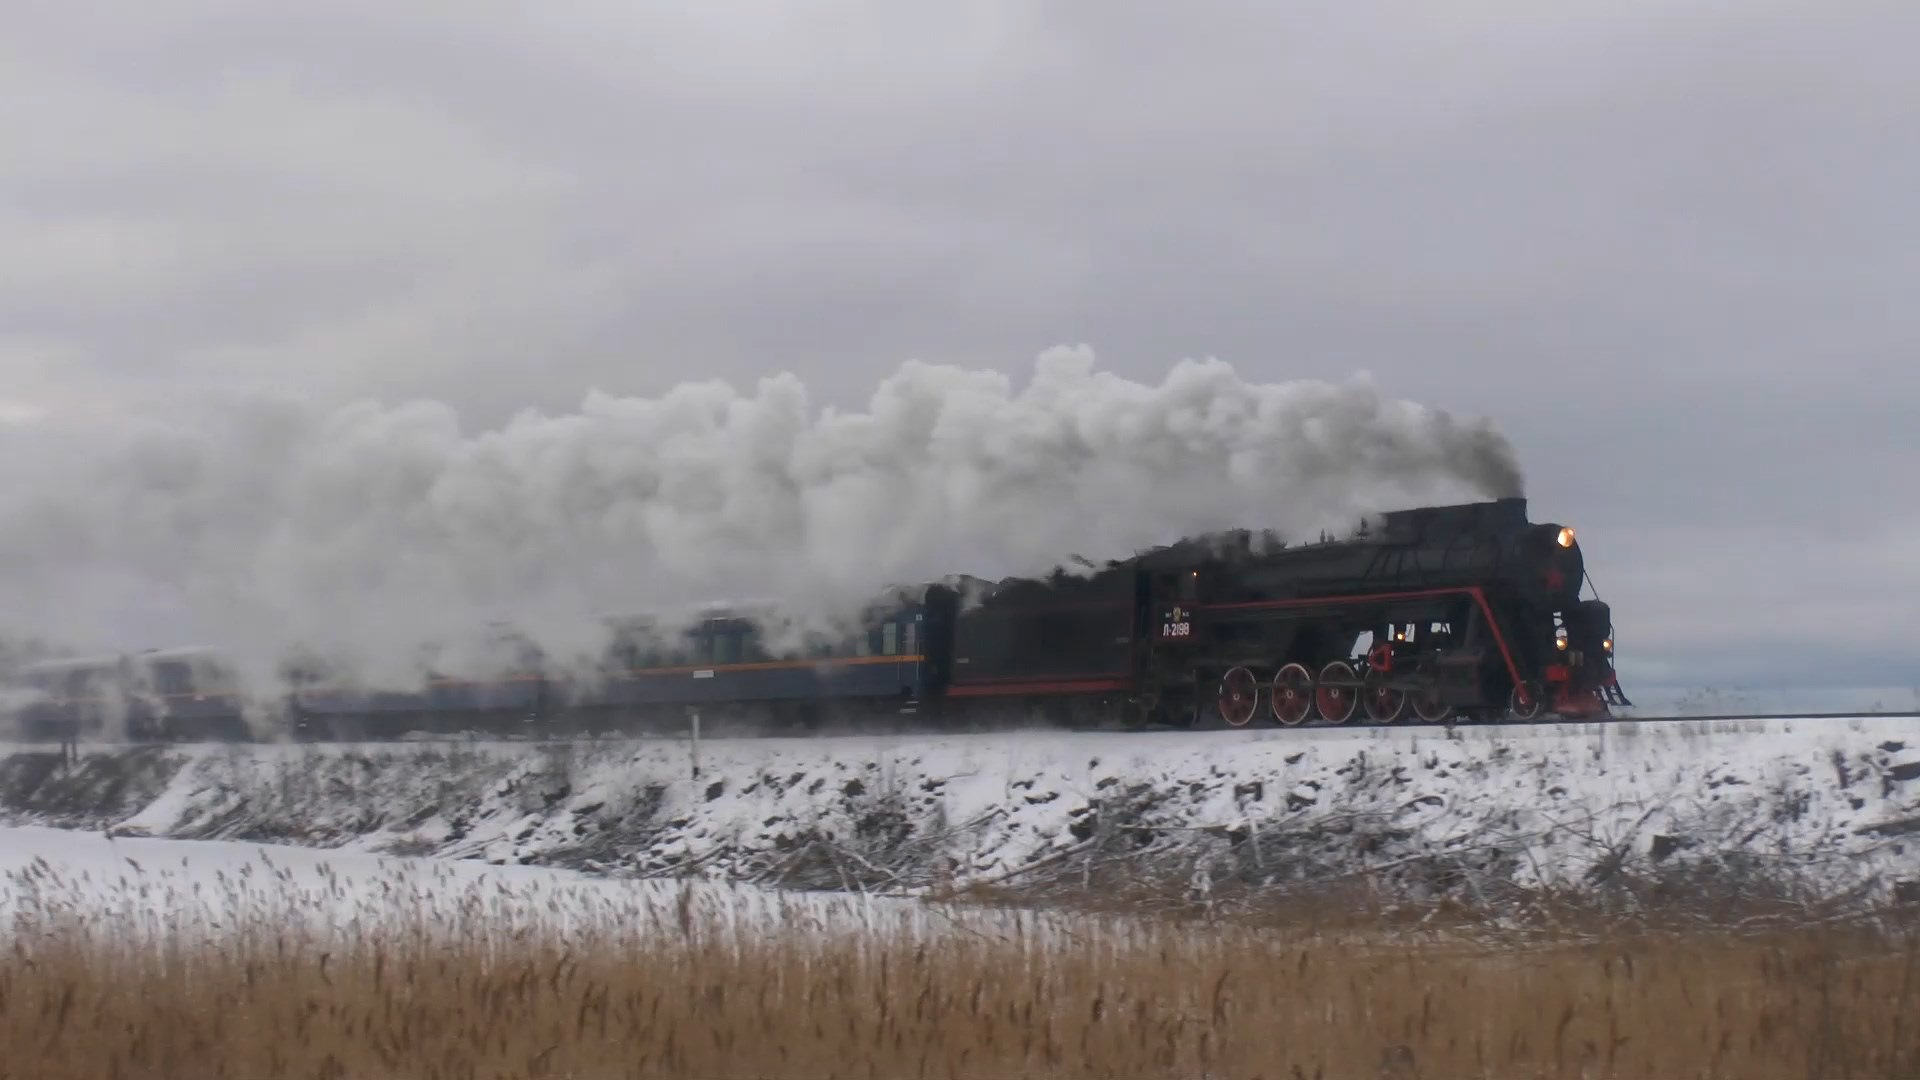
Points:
x=1464, y=613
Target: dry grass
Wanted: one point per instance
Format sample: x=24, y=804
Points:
x=151, y=980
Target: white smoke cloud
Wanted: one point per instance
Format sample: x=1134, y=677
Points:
x=367, y=531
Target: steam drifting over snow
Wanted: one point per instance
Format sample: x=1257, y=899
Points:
x=368, y=531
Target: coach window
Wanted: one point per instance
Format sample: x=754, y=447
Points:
x=172, y=678
x=726, y=646
x=755, y=648
x=890, y=639
x=911, y=645
x=678, y=652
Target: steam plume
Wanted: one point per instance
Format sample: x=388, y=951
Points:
x=369, y=530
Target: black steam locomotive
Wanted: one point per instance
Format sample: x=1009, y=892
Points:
x=1463, y=612
x=1456, y=611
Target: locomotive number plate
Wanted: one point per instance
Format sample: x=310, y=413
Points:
x=1176, y=629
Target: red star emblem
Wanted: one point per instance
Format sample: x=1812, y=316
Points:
x=1555, y=578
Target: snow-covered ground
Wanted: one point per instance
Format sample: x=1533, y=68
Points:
x=1823, y=806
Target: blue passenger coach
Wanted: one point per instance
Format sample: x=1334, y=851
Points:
x=186, y=694
x=721, y=667
x=724, y=667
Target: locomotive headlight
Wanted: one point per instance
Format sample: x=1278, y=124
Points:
x=1565, y=539
x=1607, y=644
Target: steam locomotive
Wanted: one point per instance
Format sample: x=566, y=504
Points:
x=1450, y=613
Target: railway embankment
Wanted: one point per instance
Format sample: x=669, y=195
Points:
x=1718, y=818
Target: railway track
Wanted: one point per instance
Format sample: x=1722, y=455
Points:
x=1215, y=725
x=1669, y=717
x=1545, y=727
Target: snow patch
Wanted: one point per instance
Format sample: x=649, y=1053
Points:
x=1819, y=807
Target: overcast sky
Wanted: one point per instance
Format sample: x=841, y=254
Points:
x=1669, y=248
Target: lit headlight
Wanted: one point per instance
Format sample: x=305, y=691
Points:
x=1565, y=538
x=1607, y=644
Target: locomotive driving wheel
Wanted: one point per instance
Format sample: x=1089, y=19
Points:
x=1430, y=707
x=1292, y=697
x=1336, y=695
x=1527, y=701
x=1384, y=703
x=1239, y=697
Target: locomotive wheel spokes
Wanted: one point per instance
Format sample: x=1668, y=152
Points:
x=1337, y=701
x=1293, y=695
x=1239, y=696
x=1384, y=704
x=1527, y=701
x=1428, y=706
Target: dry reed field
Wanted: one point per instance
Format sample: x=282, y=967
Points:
x=150, y=976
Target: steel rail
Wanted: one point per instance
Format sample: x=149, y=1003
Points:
x=1319, y=728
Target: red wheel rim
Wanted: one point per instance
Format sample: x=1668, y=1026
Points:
x=1292, y=695
x=1528, y=703
x=1239, y=696
x=1430, y=708
x=1384, y=706
x=1336, y=702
